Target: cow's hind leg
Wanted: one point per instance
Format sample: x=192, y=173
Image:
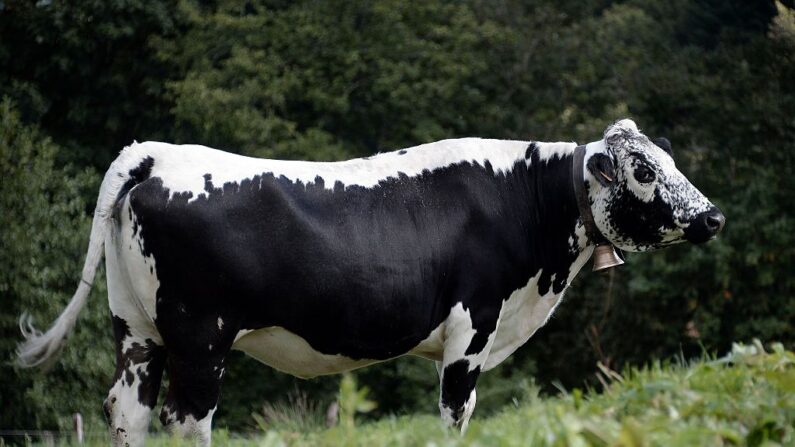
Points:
x=140, y=356
x=139, y=369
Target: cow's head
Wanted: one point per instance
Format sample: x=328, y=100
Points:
x=640, y=201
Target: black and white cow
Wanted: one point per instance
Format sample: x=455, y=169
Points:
x=456, y=251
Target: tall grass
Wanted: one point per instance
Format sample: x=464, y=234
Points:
x=298, y=414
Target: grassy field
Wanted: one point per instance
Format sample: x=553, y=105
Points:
x=745, y=398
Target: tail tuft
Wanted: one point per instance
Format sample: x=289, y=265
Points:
x=42, y=349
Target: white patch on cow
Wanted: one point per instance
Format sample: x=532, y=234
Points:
x=525, y=311
x=242, y=333
x=220, y=324
x=643, y=191
x=131, y=286
x=283, y=350
x=432, y=346
x=129, y=419
x=132, y=277
x=549, y=151
x=182, y=167
x=469, y=408
x=447, y=415
x=458, y=333
x=210, y=347
x=620, y=127
x=198, y=430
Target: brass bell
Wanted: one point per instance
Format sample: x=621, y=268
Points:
x=604, y=257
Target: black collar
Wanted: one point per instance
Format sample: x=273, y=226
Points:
x=581, y=195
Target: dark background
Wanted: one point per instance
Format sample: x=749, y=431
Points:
x=328, y=80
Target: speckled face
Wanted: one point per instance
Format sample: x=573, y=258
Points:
x=645, y=203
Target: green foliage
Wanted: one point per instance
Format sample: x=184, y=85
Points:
x=45, y=230
x=325, y=80
x=745, y=398
x=352, y=400
x=85, y=73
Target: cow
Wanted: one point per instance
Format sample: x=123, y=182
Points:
x=456, y=251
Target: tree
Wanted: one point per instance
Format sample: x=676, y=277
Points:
x=327, y=80
x=86, y=73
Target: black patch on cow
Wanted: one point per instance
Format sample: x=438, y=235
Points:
x=137, y=175
x=532, y=147
x=134, y=225
x=402, y=152
x=137, y=354
x=601, y=166
x=699, y=231
x=640, y=221
x=457, y=384
x=208, y=182
x=664, y=144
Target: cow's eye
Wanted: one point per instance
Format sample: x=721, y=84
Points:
x=643, y=174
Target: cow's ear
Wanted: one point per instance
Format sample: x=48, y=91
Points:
x=602, y=168
x=664, y=144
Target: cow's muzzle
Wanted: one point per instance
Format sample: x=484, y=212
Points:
x=705, y=226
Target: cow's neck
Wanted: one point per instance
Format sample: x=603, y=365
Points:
x=555, y=244
x=556, y=240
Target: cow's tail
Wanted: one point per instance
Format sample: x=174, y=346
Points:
x=42, y=349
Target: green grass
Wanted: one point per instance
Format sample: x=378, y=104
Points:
x=746, y=398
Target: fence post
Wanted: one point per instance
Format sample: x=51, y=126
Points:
x=78, y=420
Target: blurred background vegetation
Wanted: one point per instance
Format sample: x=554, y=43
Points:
x=328, y=80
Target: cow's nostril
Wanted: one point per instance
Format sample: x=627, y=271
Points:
x=715, y=222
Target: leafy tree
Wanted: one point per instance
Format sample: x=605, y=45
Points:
x=326, y=80
x=85, y=72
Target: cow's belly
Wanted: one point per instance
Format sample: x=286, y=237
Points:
x=281, y=349
x=290, y=353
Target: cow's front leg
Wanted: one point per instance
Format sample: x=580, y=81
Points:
x=458, y=394
x=467, y=344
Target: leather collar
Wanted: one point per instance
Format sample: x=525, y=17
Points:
x=581, y=195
